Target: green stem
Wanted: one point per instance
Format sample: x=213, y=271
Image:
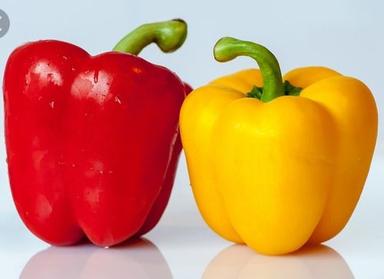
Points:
x=228, y=48
x=168, y=35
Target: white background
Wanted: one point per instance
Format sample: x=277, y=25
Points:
x=344, y=35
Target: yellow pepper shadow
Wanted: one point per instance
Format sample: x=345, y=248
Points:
x=240, y=262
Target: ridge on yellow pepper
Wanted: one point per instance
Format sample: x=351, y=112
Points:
x=277, y=162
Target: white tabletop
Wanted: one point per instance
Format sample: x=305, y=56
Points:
x=182, y=246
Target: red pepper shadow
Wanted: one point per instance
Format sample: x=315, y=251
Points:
x=133, y=259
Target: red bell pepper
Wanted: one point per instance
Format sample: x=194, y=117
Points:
x=92, y=141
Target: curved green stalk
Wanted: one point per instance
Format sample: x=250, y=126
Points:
x=168, y=35
x=228, y=48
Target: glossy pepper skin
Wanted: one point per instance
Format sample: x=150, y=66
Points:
x=277, y=165
x=92, y=141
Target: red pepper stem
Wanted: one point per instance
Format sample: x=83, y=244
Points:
x=168, y=35
x=228, y=48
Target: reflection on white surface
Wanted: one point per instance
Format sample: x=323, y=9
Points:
x=240, y=262
x=140, y=259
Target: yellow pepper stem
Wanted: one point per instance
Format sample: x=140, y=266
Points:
x=228, y=48
x=168, y=35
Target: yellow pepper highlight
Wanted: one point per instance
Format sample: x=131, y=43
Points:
x=280, y=173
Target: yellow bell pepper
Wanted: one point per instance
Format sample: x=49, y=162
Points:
x=275, y=162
